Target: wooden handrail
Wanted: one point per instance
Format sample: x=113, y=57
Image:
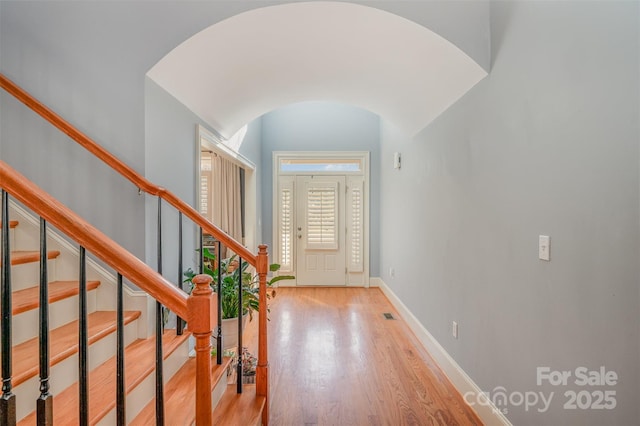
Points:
x=93, y=240
x=123, y=169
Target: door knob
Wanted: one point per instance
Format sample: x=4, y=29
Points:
x=299, y=236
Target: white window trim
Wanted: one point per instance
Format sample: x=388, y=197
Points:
x=362, y=156
x=215, y=143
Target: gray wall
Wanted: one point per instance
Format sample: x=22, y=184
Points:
x=546, y=144
x=251, y=148
x=169, y=124
x=322, y=126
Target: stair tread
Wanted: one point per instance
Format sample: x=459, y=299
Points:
x=63, y=343
x=12, y=224
x=180, y=398
x=102, y=381
x=239, y=409
x=28, y=299
x=19, y=257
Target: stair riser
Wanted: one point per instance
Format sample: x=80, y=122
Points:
x=146, y=390
x=106, y=298
x=69, y=266
x=12, y=238
x=65, y=373
x=218, y=391
x=25, y=325
x=26, y=237
x=28, y=274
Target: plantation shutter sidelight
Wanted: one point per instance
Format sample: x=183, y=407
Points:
x=285, y=225
x=355, y=221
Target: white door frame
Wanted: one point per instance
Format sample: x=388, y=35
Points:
x=361, y=278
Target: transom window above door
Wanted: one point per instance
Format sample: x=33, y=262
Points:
x=320, y=165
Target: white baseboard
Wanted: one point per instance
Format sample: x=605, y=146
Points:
x=487, y=411
x=376, y=282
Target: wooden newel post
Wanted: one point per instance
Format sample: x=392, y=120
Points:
x=202, y=312
x=262, y=370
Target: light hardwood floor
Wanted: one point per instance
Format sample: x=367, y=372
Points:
x=335, y=360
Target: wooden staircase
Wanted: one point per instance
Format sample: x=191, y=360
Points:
x=94, y=328
x=179, y=368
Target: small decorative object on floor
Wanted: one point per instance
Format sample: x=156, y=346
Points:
x=249, y=363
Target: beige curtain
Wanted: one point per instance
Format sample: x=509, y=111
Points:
x=226, y=198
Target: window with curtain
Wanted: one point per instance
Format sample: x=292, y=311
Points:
x=225, y=201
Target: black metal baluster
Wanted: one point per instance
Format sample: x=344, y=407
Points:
x=240, y=312
x=179, y=321
x=159, y=330
x=218, y=293
x=83, y=344
x=8, y=399
x=121, y=416
x=201, y=251
x=44, y=404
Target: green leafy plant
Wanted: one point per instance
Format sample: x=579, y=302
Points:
x=230, y=282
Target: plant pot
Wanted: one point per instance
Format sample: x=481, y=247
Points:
x=249, y=379
x=230, y=331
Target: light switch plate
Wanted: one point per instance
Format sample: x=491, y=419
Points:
x=544, y=247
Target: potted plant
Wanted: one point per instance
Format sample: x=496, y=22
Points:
x=230, y=282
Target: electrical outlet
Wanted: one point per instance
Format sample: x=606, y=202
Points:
x=392, y=272
x=454, y=329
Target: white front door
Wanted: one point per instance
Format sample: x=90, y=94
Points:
x=320, y=230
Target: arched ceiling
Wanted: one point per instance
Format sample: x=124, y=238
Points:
x=257, y=61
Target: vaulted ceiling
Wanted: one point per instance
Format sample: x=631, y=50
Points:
x=247, y=65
